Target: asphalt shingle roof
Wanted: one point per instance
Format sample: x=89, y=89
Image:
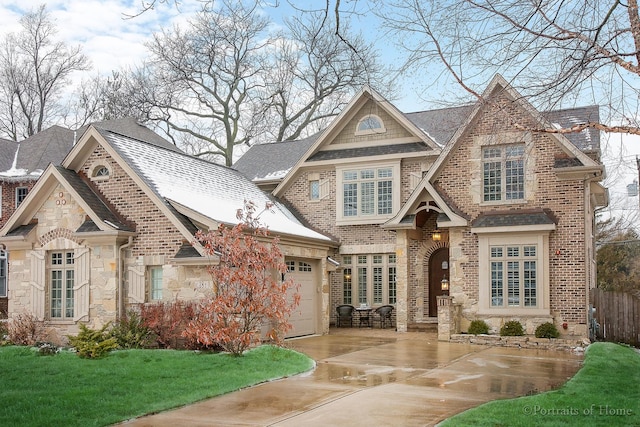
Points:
x=514, y=218
x=273, y=161
x=93, y=200
x=412, y=147
x=212, y=190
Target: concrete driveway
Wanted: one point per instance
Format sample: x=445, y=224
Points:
x=383, y=378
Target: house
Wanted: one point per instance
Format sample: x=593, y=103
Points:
x=380, y=208
x=20, y=167
x=113, y=227
x=474, y=197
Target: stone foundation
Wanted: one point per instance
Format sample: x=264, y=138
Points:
x=576, y=344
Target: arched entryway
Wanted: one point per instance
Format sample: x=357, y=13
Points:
x=438, y=269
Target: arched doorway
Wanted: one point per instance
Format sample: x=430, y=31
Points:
x=438, y=269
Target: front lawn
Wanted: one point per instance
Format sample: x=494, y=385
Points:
x=66, y=390
x=605, y=392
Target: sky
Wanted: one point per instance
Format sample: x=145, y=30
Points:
x=112, y=41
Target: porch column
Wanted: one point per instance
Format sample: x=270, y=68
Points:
x=402, y=280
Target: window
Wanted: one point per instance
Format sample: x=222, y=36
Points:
x=503, y=173
x=514, y=280
x=314, y=190
x=155, y=278
x=370, y=124
x=101, y=171
x=21, y=194
x=3, y=273
x=61, y=284
x=368, y=194
x=304, y=266
x=375, y=280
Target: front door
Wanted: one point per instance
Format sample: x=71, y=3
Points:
x=438, y=269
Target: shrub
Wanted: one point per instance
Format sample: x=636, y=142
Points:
x=248, y=296
x=4, y=332
x=26, y=329
x=512, y=328
x=93, y=344
x=478, y=327
x=547, y=330
x=130, y=332
x=167, y=322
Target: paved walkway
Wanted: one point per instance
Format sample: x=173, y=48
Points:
x=381, y=378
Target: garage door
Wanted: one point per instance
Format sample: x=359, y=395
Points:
x=303, y=317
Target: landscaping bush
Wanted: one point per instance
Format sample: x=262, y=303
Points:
x=130, y=332
x=26, y=329
x=478, y=327
x=547, y=330
x=167, y=322
x=91, y=343
x=512, y=328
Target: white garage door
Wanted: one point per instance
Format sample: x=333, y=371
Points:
x=303, y=317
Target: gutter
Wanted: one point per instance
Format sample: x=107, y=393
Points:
x=120, y=263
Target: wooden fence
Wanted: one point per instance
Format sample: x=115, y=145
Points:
x=618, y=314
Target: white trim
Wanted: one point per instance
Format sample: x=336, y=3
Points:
x=370, y=131
x=541, y=240
x=374, y=218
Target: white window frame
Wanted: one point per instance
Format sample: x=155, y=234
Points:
x=155, y=282
x=62, y=269
x=363, y=127
x=4, y=288
x=504, y=196
x=373, y=218
x=488, y=239
x=369, y=279
x=20, y=198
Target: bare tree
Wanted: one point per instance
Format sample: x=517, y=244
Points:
x=553, y=52
x=228, y=81
x=34, y=71
x=314, y=75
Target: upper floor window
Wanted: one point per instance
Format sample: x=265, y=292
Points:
x=503, y=173
x=370, y=124
x=3, y=273
x=368, y=194
x=100, y=172
x=21, y=194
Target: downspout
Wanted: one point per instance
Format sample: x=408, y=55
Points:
x=121, y=266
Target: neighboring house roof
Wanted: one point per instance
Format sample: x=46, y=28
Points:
x=7, y=154
x=195, y=186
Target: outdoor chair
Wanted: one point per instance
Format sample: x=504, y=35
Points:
x=344, y=315
x=383, y=315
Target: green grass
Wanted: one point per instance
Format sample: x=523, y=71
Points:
x=67, y=390
x=605, y=392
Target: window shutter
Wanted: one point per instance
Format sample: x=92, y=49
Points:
x=82, y=261
x=136, y=284
x=324, y=188
x=414, y=179
x=37, y=283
